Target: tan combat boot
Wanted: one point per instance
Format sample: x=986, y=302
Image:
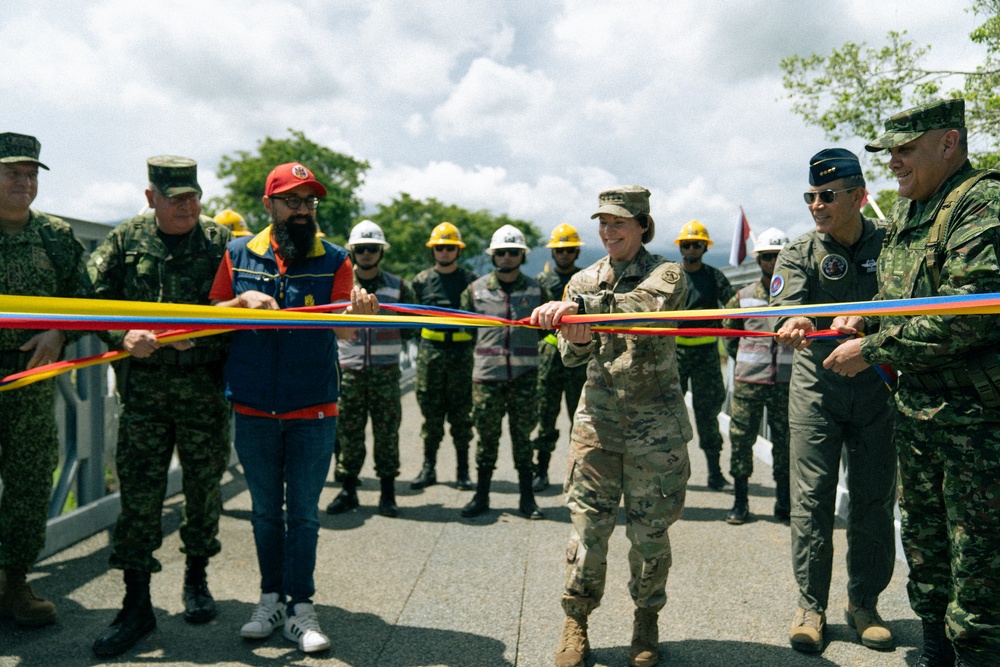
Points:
x=18, y=601
x=870, y=627
x=574, y=646
x=645, y=649
x=807, y=631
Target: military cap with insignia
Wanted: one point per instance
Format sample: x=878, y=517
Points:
x=908, y=125
x=173, y=175
x=831, y=164
x=19, y=148
x=625, y=201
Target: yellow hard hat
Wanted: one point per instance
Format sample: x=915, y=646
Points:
x=564, y=236
x=230, y=218
x=693, y=231
x=445, y=234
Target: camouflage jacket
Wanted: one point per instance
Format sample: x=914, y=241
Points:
x=632, y=382
x=43, y=259
x=133, y=264
x=969, y=265
x=555, y=282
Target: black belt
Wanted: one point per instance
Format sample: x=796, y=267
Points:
x=168, y=356
x=15, y=359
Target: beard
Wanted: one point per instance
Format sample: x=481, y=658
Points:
x=295, y=239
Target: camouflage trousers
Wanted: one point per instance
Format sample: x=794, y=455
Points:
x=372, y=391
x=490, y=402
x=701, y=365
x=745, y=414
x=28, y=455
x=444, y=391
x=554, y=381
x=652, y=477
x=950, y=495
x=168, y=408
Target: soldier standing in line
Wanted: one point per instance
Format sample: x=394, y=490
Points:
x=943, y=240
x=369, y=363
x=39, y=256
x=172, y=395
x=444, y=359
x=630, y=434
x=763, y=368
x=829, y=414
x=505, y=369
x=698, y=356
x=554, y=378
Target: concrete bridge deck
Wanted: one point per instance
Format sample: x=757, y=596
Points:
x=429, y=588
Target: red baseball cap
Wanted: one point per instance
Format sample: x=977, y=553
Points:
x=289, y=176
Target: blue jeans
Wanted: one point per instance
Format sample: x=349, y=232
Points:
x=285, y=462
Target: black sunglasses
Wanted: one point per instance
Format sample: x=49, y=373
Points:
x=507, y=252
x=442, y=248
x=370, y=248
x=697, y=245
x=295, y=203
x=565, y=251
x=825, y=196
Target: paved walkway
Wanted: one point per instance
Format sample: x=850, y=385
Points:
x=429, y=588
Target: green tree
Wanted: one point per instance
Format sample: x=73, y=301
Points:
x=854, y=89
x=408, y=222
x=341, y=174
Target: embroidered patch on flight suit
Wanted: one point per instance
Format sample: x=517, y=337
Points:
x=833, y=267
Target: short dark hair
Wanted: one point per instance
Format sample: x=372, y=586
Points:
x=854, y=181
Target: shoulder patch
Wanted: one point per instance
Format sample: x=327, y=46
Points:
x=777, y=284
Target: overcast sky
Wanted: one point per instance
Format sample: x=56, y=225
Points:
x=526, y=108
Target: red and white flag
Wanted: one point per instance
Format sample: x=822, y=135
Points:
x=738, y=250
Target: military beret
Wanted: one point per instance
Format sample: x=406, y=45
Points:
x=173, y=175
x=19, y=148
x=908, y=125
x=833, y=163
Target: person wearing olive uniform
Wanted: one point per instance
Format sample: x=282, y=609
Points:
x=828, y=413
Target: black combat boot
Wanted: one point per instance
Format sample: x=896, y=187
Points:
x=527, y=504
x=966, y=658
x=347, y=499
x=740, y=513
x=937, y=651
x=782, y=502
x=199, y=607
x=133, y=622
x=716, y=480
x=480, y=503
x=541, y=479
x=462, y=480
x=387, y=501
x=427, y=476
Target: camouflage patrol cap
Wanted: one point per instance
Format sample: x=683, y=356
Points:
x=908, y=125
x=19, y=148
x=173, y=175
x=626, y=201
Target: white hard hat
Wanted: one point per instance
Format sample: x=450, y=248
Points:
x=508, y=236
x=366, y=232
x=771, y=239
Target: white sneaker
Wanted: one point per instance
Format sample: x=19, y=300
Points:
x=269, y=614
x=303, y=627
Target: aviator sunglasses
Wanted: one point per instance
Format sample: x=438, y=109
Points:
x=825, y=196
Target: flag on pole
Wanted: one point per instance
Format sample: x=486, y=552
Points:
x=738, y=250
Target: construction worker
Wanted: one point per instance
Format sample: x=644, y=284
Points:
x=444, y=359
x=369, y=361
x=234, y=221
x=698, y=356
x=554, y=378
x=505, y=367
x=763, y=369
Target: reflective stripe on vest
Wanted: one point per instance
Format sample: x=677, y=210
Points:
x=761, y=360
x=374, y=346
x=691, y=341
x=446, y=336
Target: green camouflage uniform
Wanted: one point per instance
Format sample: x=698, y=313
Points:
x=43, y=259
x=947, y=435
x=515, y=394
x=555, y=379
x=629, y=436
x=371, y=390
x=828, y=413
x=444, y=369
x=170, y=400
x=700, y=362
x=751, y=397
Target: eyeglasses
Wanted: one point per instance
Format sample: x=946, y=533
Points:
x=564, y=251
x=369, y=248
x=507, y=252
x=444, y=248
x=697, y=245
x=825, y=196
x=767, y=256
x=295, y=203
